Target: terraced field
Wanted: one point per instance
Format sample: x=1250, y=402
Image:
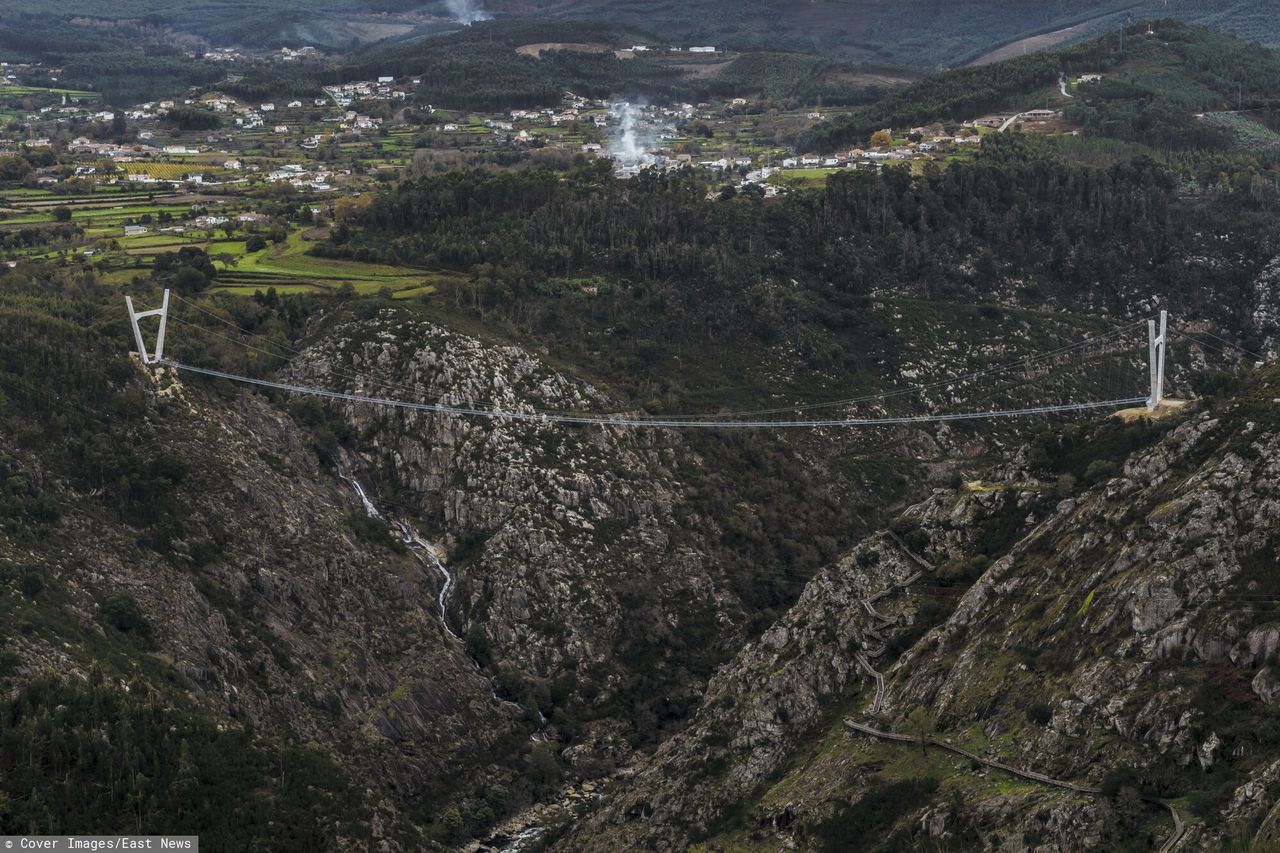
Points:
x=172, y=171
x=289, y=269
x=10, y=89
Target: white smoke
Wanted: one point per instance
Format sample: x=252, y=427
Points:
x=467, y=12
x=628, y=143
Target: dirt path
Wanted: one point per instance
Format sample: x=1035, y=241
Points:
x=868, y=604
x=1030, y=775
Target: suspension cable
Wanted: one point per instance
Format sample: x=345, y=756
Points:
x=622, y=421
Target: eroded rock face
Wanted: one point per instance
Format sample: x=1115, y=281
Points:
x=571, y=545
x=1132, y=612
x=1266, y=306
x=270, y=610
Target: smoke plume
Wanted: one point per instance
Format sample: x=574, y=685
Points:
x=467, y=12
x=627, y=144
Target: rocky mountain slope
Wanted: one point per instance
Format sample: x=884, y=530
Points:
x=1117, y=631
x=269, y=605
x=580, y=566
x=211, y=549
x=440, y=621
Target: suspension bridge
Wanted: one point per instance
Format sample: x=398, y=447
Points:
x=1147, y=390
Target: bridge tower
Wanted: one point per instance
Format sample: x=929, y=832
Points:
x=134, y=316
x=1157, y=351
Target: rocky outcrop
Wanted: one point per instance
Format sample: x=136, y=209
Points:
x=1266, y=307
x=266, y=606
x=1135, y=616
x=570, y=545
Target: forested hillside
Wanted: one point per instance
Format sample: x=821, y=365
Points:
x=480, y=68
x=1157, y=77
x=670, y=267
x=126, y=63
x=919, y=33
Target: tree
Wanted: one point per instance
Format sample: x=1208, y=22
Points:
x=920, y=726
x=192, y=118
x=451, y=822
x=184, y=792
x=1117, y=779
x=881, y=139
x=62, y=213
x=1040, y=713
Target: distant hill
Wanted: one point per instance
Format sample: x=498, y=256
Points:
x=521, y=63
x=1157, y=78
x=920, y=33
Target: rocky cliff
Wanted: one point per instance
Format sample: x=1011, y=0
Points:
x=1117, y=633
x=267, y=604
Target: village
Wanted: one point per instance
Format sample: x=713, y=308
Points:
x=253, y=181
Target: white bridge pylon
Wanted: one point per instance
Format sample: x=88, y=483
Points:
x=134, y=316
x=1157, y=350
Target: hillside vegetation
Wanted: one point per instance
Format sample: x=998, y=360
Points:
x=918, y=33
x=1156, y=77
x=480, y=68
x=666, y=266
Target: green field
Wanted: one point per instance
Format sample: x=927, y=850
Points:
x=288, y=268
x=10, y=89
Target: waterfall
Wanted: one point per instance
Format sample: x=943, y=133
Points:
x=364, y=498
x=423, y=549
x=414, y=540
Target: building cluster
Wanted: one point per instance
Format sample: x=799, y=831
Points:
x=644, y=48
x=382, y=89
x=304, y=178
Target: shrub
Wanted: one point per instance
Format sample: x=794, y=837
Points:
x=877, y=810
x=374, y=532
x=122, y=612
x=1100, y=470
x=1040, y=713
x=31, y=583
x=1118, y=778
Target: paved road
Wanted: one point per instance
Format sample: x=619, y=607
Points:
x=1010, y=120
